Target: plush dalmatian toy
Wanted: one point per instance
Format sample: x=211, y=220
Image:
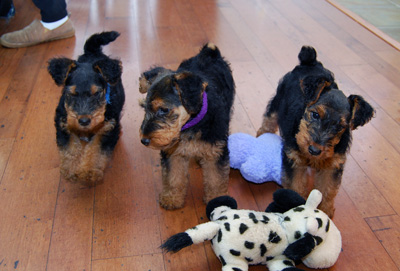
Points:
x=289, y=231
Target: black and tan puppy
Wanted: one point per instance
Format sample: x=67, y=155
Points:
x=187, y=114
x=315, y=120
x=88, y=114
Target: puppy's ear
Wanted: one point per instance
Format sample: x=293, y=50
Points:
x=361, y=111
x=148, y=77
x=110, y=70
x=59, y=68
x=313, y=86
x=190, y=88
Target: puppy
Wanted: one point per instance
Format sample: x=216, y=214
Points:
x=187, y=114
x=315, y=120
x=87, y=117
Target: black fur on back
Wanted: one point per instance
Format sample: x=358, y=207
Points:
x=211, y=66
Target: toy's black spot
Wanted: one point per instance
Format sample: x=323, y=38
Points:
x=222, y=218
x=222, y=260
x=263, y=250
x=286, y=218
x=253, y=216
x=297, y=235
x=270, y=258
x=236, y=216
x=242, y=228
x=298, y=209
x=318, y=239
x=236, y=269
x=328, y=225
x=194, y=228
x=234, y=252
x=249, y=260
x=265, y=219
x=249, y=245
x=274, y=238
x=316, y=211
x=219, y=236
x=288, y=263
x=319, y=222
x=227, y=226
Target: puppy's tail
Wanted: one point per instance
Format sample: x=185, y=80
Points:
x=308, y=56
x=95, y=42
x=196, y=235
x=210, y=50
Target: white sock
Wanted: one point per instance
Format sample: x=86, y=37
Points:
x=55, y=24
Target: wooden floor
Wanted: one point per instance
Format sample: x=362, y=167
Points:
x=48, y=224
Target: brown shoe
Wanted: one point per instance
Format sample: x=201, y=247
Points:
x=36, y=33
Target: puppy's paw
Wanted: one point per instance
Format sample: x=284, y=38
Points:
x=171, y=201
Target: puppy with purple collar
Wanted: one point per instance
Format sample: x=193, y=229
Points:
x=187, y=115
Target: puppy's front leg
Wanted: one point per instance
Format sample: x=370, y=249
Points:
x=175, y=180
x=215, y=174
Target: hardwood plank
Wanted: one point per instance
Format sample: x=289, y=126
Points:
x=359, y=245
x=379, y=163
x=5, y=150
x=27, y=199
x=12, y=58
x=13, y=105
x=357, y=185
x=219, y=31
x=137, y=263
x=71, y=237
x=387, y=230
x=125, y=207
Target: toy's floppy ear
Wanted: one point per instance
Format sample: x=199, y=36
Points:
x=361, y=111
x=218, y=202
x=148, y=77
x=284, y=200
x=314, y=199
x=313, y=86
x=190, y=88
x=110, y=70
x=60, y=68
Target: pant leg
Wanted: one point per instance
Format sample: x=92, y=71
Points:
x=51, y=10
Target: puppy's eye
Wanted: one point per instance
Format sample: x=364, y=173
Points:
x=161, y=112
x=315, y=115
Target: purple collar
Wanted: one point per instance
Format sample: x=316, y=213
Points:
x=193, y=121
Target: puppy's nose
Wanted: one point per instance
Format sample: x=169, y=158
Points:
x=314, y=151
x=145, y=141
x=84, y=121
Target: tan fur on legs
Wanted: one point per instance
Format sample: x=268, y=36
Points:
x=299, y=182
x=175, y=180
x=329, y=187
x=215, y=178
x=84, y=162
x=269, y=125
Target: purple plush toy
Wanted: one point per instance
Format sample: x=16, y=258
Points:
x=258, y=159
